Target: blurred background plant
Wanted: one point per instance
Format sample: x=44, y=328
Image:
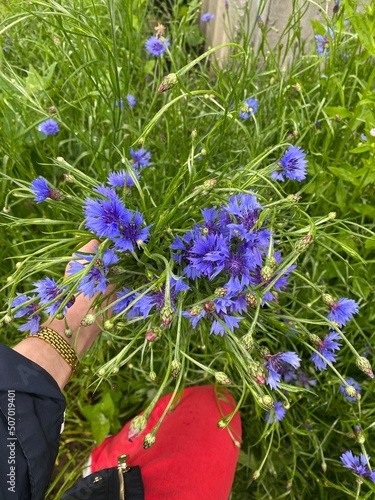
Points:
x=218, y=131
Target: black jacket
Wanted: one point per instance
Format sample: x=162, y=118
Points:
x=32, y=414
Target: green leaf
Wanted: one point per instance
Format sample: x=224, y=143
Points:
x=36, y=82
x=370, y=243
x=361, y=286
x=341, y=192
x=347, y=173
x=100, y=427
x=149, y=66
x=340, y=111
x=367, y=210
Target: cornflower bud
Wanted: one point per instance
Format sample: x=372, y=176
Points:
x=152, y=376
x=149, y=440
x=166, y=314
x=266, y=273
x=203, y=152
x=108, y=325
x=251, y=300
x=256, y=475
x=267, y=401
x=137, y=426
x=332, y=215
x=88, y=320
x=222, y=424
x=324, y=467
x=314, y=339
x=351, y=391
x=115, y=370
x=303, y=244
x=7, y=319
x=263, y=351
x=286, y=405
x=68, y=333
x=194, y=133
x=364, y=365
x=69, y=178
x=56, y=195
x=222, y=378
x=209, y=183
x=257, y=371
x=248, y=341
x=209, y=306
x=294, y=198
x=154, y=334
x=117, y=270
x=360, y=436
x=59, y=316
x=168, y=82
x=175, y=368
x=328, y=299
x=52, y=110
x=196, y=310
x=220, y=292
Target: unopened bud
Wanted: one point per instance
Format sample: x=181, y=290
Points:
x=266, y=273
x=314, y=339
x=149, y=440
x=220, y=292
x=137, y=426
x=115, y=370
x=267, y=401
x=166, y=314
x=175, y=368
x=52, y=110
x=68, y=333
x=168, y=82
x=332, y=215
x=101, y=372
x=360, y=436
x=303, y=244
x=7, y=319
x=209, y=183
x=247, y=341
x=324, y=467
x=196, y=310
x=256, y=475
x=286, y=405
x=328, y=299
x=59, y=316
x=251, y=299
x=56, y=195
x=263, y=351
x=350, y=391
x=364, y=365
x=257, y=371
x=203, y=152
x=108, y=325
x=194, y=133
x=153, y=334
x=152, y=376
x=69, y=178
x=293, y=198
x=222, y=378
x=88, y=320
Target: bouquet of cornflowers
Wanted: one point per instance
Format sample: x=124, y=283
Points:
x=209, y=264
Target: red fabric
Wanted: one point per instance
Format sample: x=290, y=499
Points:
x=192, y=459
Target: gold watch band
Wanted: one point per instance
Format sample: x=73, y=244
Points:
x=61, y=345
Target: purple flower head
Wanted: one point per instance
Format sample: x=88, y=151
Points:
x=342, y=311
x=245, y=209
x=323, y=42
x=141, y=157
x=293, y=165
x=277, y=413
x=29, y=311
x=49, y=127
x=206, y=255
x=175, y=287
x=103, y=217
x=238, y=265
x=275, y=364
x=131, y=100
x=357, y=464
x=326, y=348
x=95, y=280
x=249, y=108
x=40, y=189
x=352, y=383
x=207, y=17
x=157, y=46
x=121, y=179
x=304, y=381
x=48, y=290
x=142, y=306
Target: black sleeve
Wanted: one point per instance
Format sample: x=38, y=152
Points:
x=31, y=417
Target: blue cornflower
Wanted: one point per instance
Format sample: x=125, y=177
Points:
x=238, y=265
x=48, y=290
x=157, y=46
x=293, y=165
x=95, y=280
x=206, y=255
x=49, y=127
x=323, y=42
x=249, y=108
x=103, y=217
x=325, y=347
x=357, y=464
x=277, y=413
x=342, y=310
x=352, y=383
x=131, y=231
x=28, y=310
x=141, y=307
x=245, y=209
x=176, y=286
x=207, y=17
x=121, y=179
x=304, y=381
x=131, y=100
x=40, y=189
x=141, y=157
x=275, y=363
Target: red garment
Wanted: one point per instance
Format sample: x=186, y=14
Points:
x=192, y=459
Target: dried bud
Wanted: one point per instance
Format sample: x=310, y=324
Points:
x=209, y=306
x=152, y=376
x=328, y=299
x=257, y=371
x=168, y=82
x=52, y=110
x=88, y=320
x=251, y=300
x=137, y=426
x=220, y=292
x=364, y=365
x=303, y=244
x=222, y=378
x=149, y=440
x=248, y=341
x=196, y=310
x=267, y=401
x=166, y=314
x=266, y=273
x=209, y=183
x=175, y=368
x=56, y=195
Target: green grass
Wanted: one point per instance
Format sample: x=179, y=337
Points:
x=82, y=57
